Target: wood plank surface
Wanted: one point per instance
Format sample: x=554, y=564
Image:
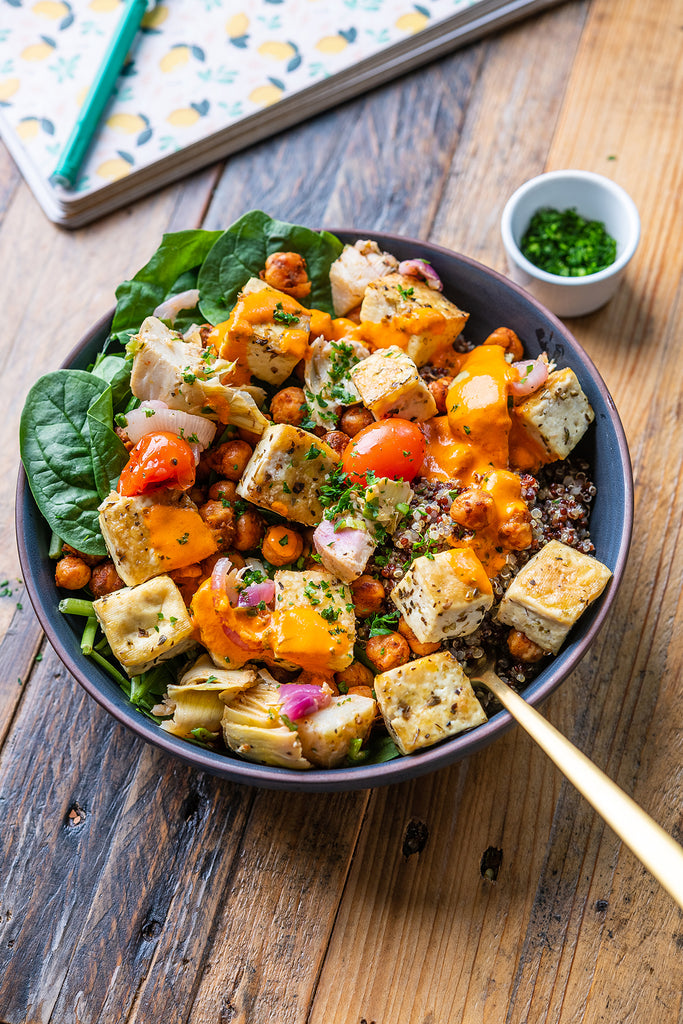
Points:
x=134, y=889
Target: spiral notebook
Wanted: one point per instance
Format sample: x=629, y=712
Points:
x=203, y=79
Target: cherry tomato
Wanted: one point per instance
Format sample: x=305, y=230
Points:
x=158, y=460
x=393, y=448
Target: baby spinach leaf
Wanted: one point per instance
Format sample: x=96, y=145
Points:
x=180, y=252
x=241, y=252
x=55, y=448
x=109, y=454
x=115, y=370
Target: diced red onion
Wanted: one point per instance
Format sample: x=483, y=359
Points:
x=533, y=375
x=223, y=580
x=169, y=308
x=255, y=593
x=423, y=270
x=150, y=417
x=302, y=699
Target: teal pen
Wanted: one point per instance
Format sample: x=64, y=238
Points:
x=90, y=113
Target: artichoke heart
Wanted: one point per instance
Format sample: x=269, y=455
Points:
x=200, y=696
x=253, y=728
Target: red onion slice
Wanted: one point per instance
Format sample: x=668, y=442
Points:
x=533, y=375
x=302, y=699
x=252, y=595
x=169, y=308
x=422, y=270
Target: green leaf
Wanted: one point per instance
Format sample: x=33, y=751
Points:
x=55, y=448
x=179, y=252
x=242, y=250
x=115, y=370
x=109, y=454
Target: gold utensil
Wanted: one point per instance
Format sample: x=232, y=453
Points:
x=655, y=848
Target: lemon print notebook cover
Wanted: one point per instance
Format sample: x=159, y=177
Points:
x=204, y=78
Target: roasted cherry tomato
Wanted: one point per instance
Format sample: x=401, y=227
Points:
x=158, y=460
x=393, y=448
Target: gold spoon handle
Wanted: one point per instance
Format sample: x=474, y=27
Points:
x=661, y=855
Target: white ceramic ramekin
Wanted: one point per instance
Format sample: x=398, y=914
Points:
x=595, y=198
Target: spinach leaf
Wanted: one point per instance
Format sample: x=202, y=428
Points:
x=241, y=252
x=55, y=448
x=115, y=370
x=166, y=274
x=109, y=454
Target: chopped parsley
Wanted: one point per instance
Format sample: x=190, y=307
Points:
x=381, y=625
x=313, y=453
x=184, y=539
x=564, y=243
x=405, y=293
x=281, y=317
x=330, y=614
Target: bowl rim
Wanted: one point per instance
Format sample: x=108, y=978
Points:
x=362, y=776
x=627, y=204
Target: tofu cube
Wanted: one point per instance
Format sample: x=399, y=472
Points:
x=426, y=701
x=150, y=534
x=551, y=592
x=354, y=269
x=286, y=471
x=411, y=315
x=313, y=624
x=326, y=736
x=444, y=596
x=557, y=416
x=262, y=333
x=146, y=624
x=389, y=384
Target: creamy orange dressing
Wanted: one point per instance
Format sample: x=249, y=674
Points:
x=179, y=535
x=471, y=445
x=469, y=570
x=231, y=338
x=302, y=636
x=209, y=629
x=399, y=329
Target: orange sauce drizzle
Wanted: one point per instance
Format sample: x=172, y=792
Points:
x=180, y=535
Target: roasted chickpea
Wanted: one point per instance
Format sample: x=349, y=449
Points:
x=90, y=560
x=282, y=546
x=72, y=573
x=368, y=596
x=123, y=437
x=249, y=529
x=354, y=419
x=387, y=652
x=415, y=645
x=223, y=490
x=187, y=580
x=507, y=339
x=516, y=530
x=337, y=440
x=289, y=406
x=473, y=508
x=249, y=436
x=287, y=272
x=105, y=580
x=353, y=314
x=197, y=495
x=439, y=389
x=362, y=691
x=220, y=519
x=234, y=456
x=357, y=674
x=522, y=648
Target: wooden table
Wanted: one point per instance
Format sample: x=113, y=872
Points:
x=134, y=889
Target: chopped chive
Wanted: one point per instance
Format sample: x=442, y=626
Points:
x=75, y=606
x=89, y=633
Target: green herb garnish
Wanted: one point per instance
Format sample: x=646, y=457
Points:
x=564, y=243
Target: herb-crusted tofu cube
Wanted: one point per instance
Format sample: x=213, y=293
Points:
x=444, y=596
x=150, y=534
x=327, y=735
x=354, y=269
x=411, y=315
x=313, y=624
x=550, y=592
x=426, y=701
x=145, y=624
x=558, y=415
x=286, y=471
x=389, y=384
x=267, y=331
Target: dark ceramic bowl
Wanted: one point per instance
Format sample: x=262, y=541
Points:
x=492, y=301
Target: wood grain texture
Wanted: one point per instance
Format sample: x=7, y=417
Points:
x=133, y=889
